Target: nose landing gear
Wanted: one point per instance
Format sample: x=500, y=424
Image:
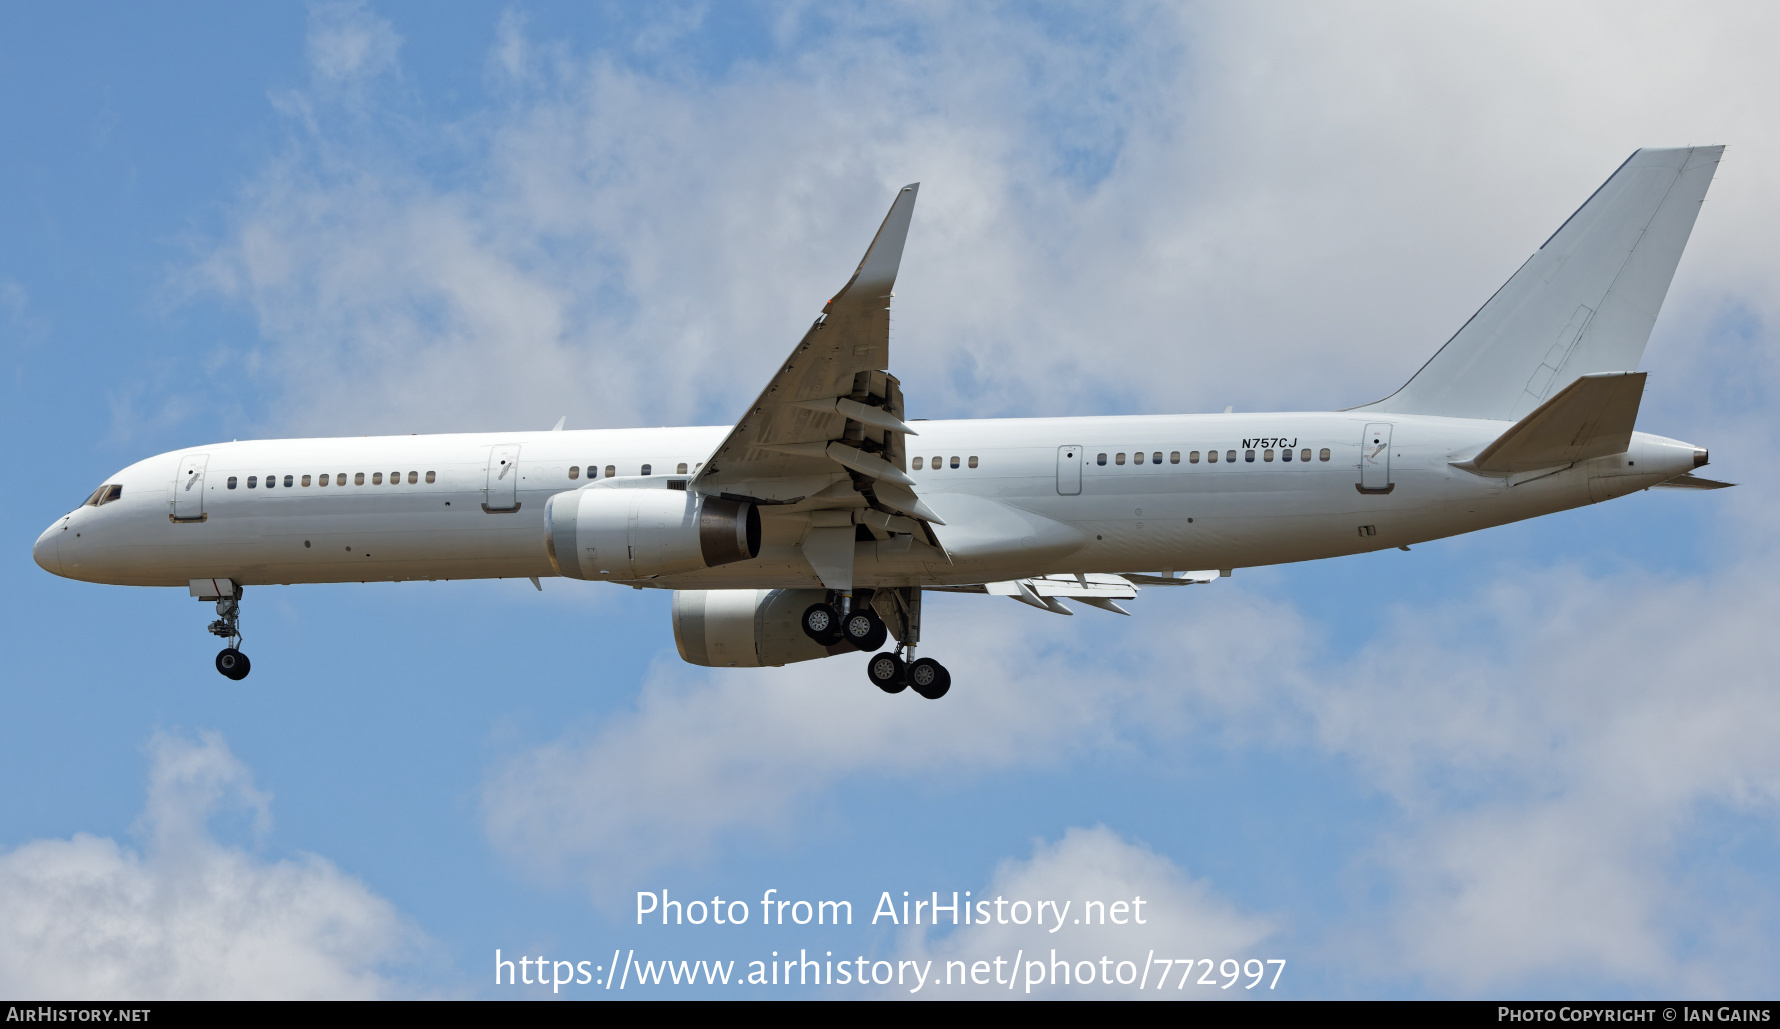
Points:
x=229, y=661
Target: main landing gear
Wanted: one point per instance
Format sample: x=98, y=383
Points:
x=229, y=661
x=863, y=628
x=890, y=673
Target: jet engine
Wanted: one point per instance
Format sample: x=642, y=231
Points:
x=746, y=628
x=642, y=533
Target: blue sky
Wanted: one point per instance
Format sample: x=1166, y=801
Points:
x=1536, y=761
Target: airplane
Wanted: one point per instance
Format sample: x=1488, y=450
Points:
x=812, y=527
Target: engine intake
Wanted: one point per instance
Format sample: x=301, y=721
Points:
x=643, y=533
x=746, y=628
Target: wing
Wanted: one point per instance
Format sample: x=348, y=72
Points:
x=829, y=427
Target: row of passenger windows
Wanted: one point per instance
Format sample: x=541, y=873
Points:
x=1211, y=456
x=593, y=470
x=358, y=479
x=938, y=462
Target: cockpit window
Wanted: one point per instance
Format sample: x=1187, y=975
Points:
x=104, y=495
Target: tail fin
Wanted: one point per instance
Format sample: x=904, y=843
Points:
x=1584, y=303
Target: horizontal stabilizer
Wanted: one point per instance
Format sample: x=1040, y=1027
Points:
x=1692, y=481
x=1591, y=417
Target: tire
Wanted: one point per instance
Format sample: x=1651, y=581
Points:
x=864, y=629
x=822, y=623
x=887, y=672
x=233, y=664
x=929, y=678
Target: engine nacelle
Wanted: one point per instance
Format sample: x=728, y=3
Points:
x=642, y=533
x=746, y=628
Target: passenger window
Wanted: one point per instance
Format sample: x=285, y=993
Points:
x=938, y=462
x=1137, y=458
x=324, y=480
x=1285, y=455
x=1119, y=458
x=574, y=472
x=231, y=482
x=413, y=478
x=611, y=470
x=1324, y=455
x=1193, y=457
x=253, y=481
x=305, y=480
x=973, y=462
x=1230, y=456
x=288, y=480
x=432, y=476
x=647, y=469
x=917, y=464
x=1305, y=456
x=271, y=481
x=1156, y=458
x=1100, y=459
x=1212, y=456
x=1249, y=456
x=1266, y=455
x=680, y=469
x=340, y=478
x=376, y=478
x=954, y=460
x=358, y=478
x=1174, y=457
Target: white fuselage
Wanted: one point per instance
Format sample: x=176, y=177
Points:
x=415, y=507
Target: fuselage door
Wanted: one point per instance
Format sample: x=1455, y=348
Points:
x=1375, y=459
x=188, y=488
x=1069, y=471
x=502, y=492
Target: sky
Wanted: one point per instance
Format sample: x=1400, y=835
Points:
x=1536, y=761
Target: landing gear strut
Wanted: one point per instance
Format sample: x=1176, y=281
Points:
x=229, y=661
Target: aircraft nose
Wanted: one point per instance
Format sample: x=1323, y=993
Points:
x=46, y=551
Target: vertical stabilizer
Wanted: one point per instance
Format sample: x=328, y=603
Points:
x=1584, y=303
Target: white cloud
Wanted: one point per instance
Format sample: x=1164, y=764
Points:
x=347, y=43
x=187, y=917
x=20, y=324
x=1559, y=748
x=1556, y=748
x=703, y=754
x=1182, y=918
x=1287, y=205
